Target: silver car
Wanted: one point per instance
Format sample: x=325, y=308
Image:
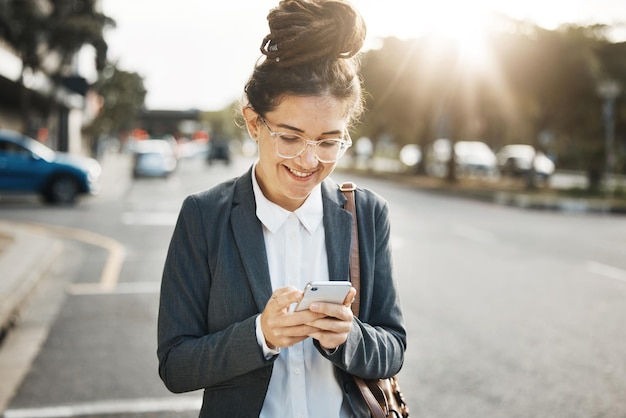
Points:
x=153, y=158
x=473, y=159
x=518, y=159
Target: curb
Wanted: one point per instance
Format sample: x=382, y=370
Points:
x=519, y=199
x=23, y=262
x=562, y=204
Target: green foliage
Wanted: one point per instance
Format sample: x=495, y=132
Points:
x=35, y=30
x=74, y=23
x=123, y=94
x=22, y=25
x=227, y=121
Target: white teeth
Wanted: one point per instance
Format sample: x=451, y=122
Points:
x=299, y=173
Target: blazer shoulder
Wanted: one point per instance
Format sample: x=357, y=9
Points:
x=370, y=197
x=224, y=193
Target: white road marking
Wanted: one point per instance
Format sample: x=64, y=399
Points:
x=112, y=267
x=131, y=406
x=475, y=234
x=606, y=270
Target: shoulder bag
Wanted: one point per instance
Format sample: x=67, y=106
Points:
x=383, y=396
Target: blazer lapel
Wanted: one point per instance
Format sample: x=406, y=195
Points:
x=248, y=234
x=337, y=225
x=249, y=238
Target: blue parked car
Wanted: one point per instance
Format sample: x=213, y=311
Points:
x=28, y=166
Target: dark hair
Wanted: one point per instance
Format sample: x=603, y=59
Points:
x=311, y=51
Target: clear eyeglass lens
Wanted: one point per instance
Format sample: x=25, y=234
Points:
x=326, y=150
x=292, y=145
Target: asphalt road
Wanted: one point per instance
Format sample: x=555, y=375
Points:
x=510, y=312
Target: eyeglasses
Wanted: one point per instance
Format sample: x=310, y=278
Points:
x=291, y=145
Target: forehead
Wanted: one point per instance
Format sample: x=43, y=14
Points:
x=301, y=111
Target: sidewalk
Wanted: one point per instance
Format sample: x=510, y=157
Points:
x=26, y=253
x=24, y=257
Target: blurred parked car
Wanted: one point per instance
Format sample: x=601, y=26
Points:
x=219, y=149
x=153, y=158
x=192, y=149
x=28, y=166
x=517, y=160
x=473, y=159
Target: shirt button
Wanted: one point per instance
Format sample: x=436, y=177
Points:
x=296, y=370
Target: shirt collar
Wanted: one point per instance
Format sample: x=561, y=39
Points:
x=273, y=216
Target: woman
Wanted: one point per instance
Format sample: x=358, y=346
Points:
x=242, y=251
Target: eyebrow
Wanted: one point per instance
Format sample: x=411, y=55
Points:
x=293, y=128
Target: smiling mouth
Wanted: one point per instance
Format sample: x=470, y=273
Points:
x=299, y=174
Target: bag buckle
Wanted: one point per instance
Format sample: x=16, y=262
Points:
x=348, y=186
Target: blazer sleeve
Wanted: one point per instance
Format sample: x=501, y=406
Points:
x=377, y=341
x=190, y=356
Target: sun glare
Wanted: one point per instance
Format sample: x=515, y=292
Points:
x=462, y=24
x=469, y=37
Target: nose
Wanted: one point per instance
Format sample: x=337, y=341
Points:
x=308, y=158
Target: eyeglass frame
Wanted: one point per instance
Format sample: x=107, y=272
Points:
x=344, y=143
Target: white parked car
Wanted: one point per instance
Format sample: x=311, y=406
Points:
x=473, y=159
x=517, y=160
x=153, y=158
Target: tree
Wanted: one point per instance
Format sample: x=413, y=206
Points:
x=37, y=32
x=542, y=84
x=123, y=95
x=72, y=24
x=22, y=27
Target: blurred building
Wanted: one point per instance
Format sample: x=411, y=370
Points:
x=52, y=113
x=178, y=123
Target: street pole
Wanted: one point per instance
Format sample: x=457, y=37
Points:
x=609, y=90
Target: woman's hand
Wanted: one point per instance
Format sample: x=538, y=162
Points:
x=335, y=322
x=280, y=326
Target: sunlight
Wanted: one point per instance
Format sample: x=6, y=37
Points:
x=465, y=28
x=446, y=22
x=446, y=26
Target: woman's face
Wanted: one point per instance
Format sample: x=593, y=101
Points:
x=288, y=182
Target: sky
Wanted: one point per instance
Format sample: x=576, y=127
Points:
x=198, y=54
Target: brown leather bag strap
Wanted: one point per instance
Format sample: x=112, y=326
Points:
x=348, y=190
x=372, y=403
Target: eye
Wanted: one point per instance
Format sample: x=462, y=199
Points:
x=289, y=137
x=329, y=143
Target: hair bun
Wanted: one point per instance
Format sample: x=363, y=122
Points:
x=303, y=31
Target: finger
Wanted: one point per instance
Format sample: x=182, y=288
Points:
x=341, y=312
x=329, y=324
x=350, y=297
x=330, y=340
x=288, y=336
x=280, y=326
x=284, y=297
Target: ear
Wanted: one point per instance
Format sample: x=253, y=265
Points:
x=251, y=118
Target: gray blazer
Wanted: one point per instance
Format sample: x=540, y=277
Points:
x=216, y=281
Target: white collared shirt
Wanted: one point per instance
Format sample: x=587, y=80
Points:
x=303, y=382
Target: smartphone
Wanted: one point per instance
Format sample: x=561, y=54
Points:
x=331, y=291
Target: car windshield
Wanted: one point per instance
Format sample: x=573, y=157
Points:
x=39, y=149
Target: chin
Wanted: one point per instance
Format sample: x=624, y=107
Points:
x=298, y=194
